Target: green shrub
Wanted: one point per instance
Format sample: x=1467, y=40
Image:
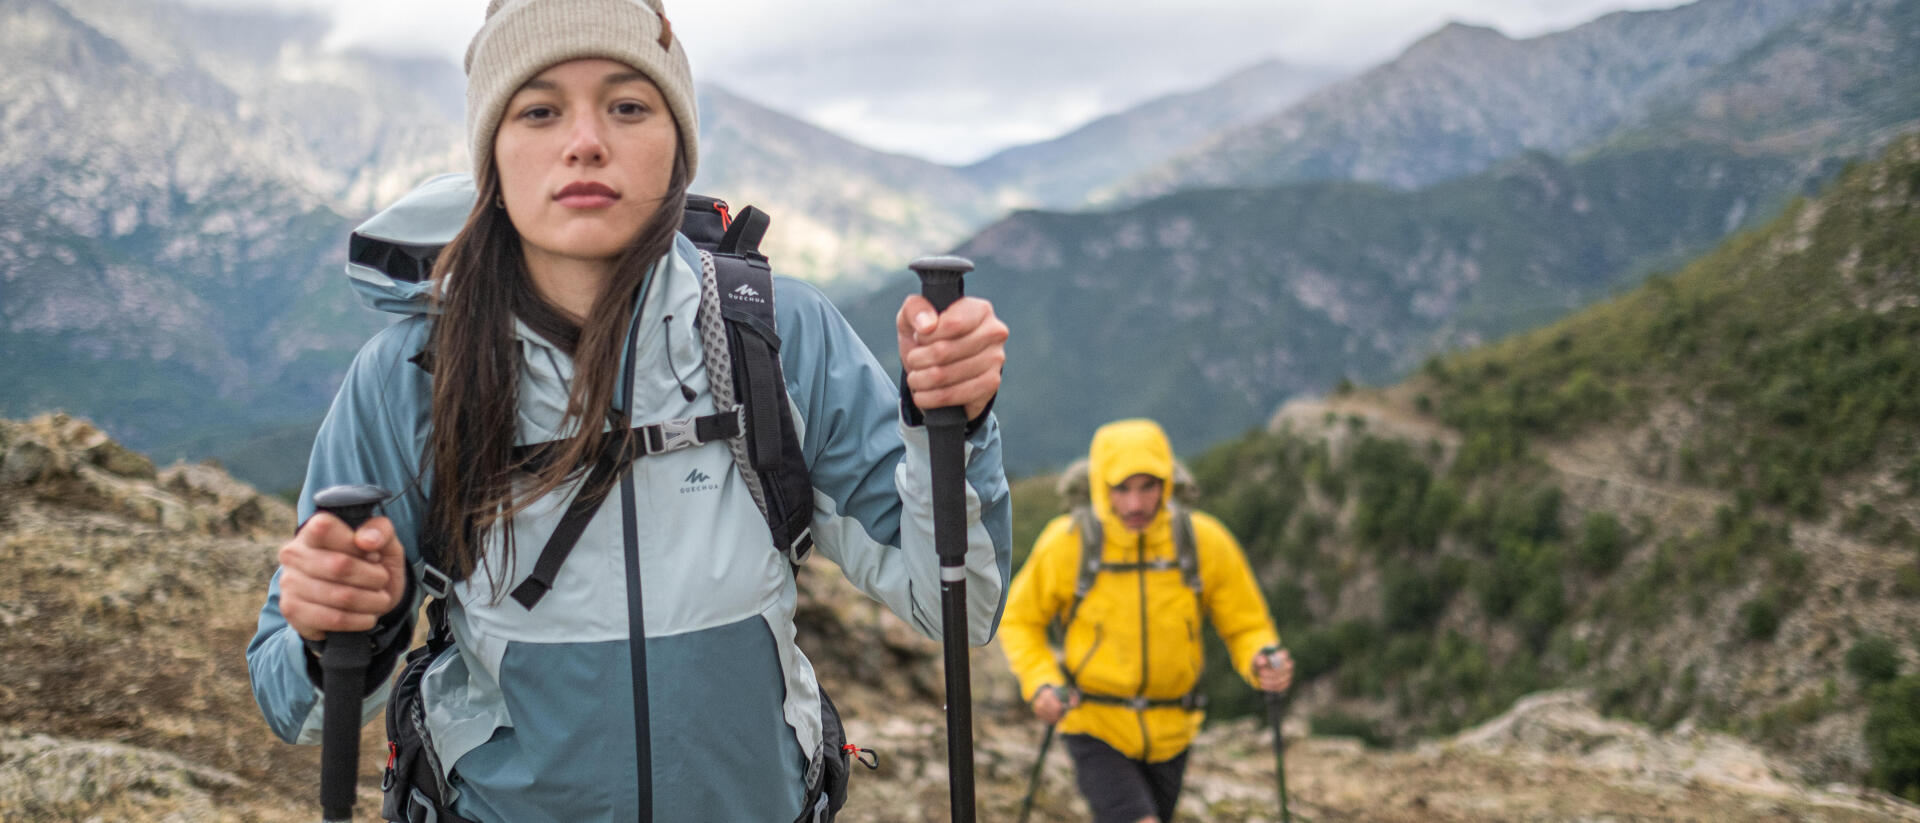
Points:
x=1411, y=598
x=1603, y=542
x=1874, y=659
x=1777, y=726
x=1760, y=617
x=1893, y=736
x=1315, y=652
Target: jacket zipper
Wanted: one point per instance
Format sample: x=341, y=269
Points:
x=1140, y=556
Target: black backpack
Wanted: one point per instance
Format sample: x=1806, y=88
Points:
x=766, y=449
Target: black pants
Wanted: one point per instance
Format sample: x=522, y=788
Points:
x=1121, y=789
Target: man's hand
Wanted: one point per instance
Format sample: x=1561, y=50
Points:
x=335, y=579
x=1274, y=670
x=1048, y=706
x=952, y=358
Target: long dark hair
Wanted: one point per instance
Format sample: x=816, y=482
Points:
x=482, y=285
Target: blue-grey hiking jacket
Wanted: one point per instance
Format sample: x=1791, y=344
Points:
x=532, y=710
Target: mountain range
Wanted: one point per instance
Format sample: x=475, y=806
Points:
x=1207, y=308
x=1466, y=97
x=174, y=274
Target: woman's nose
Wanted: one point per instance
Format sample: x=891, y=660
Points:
x=587, y=147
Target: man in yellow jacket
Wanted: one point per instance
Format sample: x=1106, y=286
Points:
x=1122, y=690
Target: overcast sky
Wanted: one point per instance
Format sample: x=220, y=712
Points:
x=955, y=81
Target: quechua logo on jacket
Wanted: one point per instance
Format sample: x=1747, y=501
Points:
x=698, y=481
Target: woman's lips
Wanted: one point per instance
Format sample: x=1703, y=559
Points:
x=586, y=195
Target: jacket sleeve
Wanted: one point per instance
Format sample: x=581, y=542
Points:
x=1040, y=592
x=1233, y=599
x=873, y=510
x=360, y=441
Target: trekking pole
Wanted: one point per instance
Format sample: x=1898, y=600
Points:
x=941, y=283
x=1073, y=680
x=1276, y=711
x=1033, y=780
x=343, y=667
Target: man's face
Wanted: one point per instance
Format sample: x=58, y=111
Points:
x=1136, y=500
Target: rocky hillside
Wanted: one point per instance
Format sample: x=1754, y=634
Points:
x=127, y=594
x=1696, y=501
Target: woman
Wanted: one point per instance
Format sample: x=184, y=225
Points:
x=567, y=275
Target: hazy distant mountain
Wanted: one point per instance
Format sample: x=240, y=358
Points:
x=353, y=129
x=841, y=211
x=1466, y=97
x=176, y=184
x=1844, y=80
x=1061, y=172
x=157, y=230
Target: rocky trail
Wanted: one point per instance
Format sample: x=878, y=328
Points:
x=127, y=594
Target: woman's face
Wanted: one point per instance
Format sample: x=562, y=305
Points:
x=584, y=153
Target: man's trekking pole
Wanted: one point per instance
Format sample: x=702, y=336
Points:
x=1277, y=711
x=1033, y=780
x=343, y=667
x=941, y=283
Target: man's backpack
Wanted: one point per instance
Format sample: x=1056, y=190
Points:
x=752, y=415
x=1092, y=561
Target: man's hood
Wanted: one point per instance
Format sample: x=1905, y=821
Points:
x=1122, y=449
x=390, y=256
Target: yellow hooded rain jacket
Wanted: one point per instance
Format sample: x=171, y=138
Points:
x=1137, y=633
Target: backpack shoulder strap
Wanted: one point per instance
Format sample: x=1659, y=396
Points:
x=1092, y=540
x=1092, y=544
x=740, y=342
x=1187, y=555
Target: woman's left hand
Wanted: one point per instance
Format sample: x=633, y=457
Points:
x=952, y=358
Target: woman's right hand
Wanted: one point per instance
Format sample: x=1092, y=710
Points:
x=335, y=579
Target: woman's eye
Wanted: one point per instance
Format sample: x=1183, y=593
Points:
x=629, y=108
x=537, y=113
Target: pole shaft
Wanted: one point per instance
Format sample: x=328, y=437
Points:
x=1033, y=780
x=946, y=444
x=1277, y=712
x=953, y=606
x=343, y=670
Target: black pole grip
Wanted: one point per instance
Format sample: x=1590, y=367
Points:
x=343, y=672
x=942, y=281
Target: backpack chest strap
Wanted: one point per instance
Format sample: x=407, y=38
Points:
x=1092, y=564
x=648, y=440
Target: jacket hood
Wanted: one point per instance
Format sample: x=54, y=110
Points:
x=1122, y=449
x=390, y=256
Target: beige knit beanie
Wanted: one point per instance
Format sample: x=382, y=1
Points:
x=522, y=38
